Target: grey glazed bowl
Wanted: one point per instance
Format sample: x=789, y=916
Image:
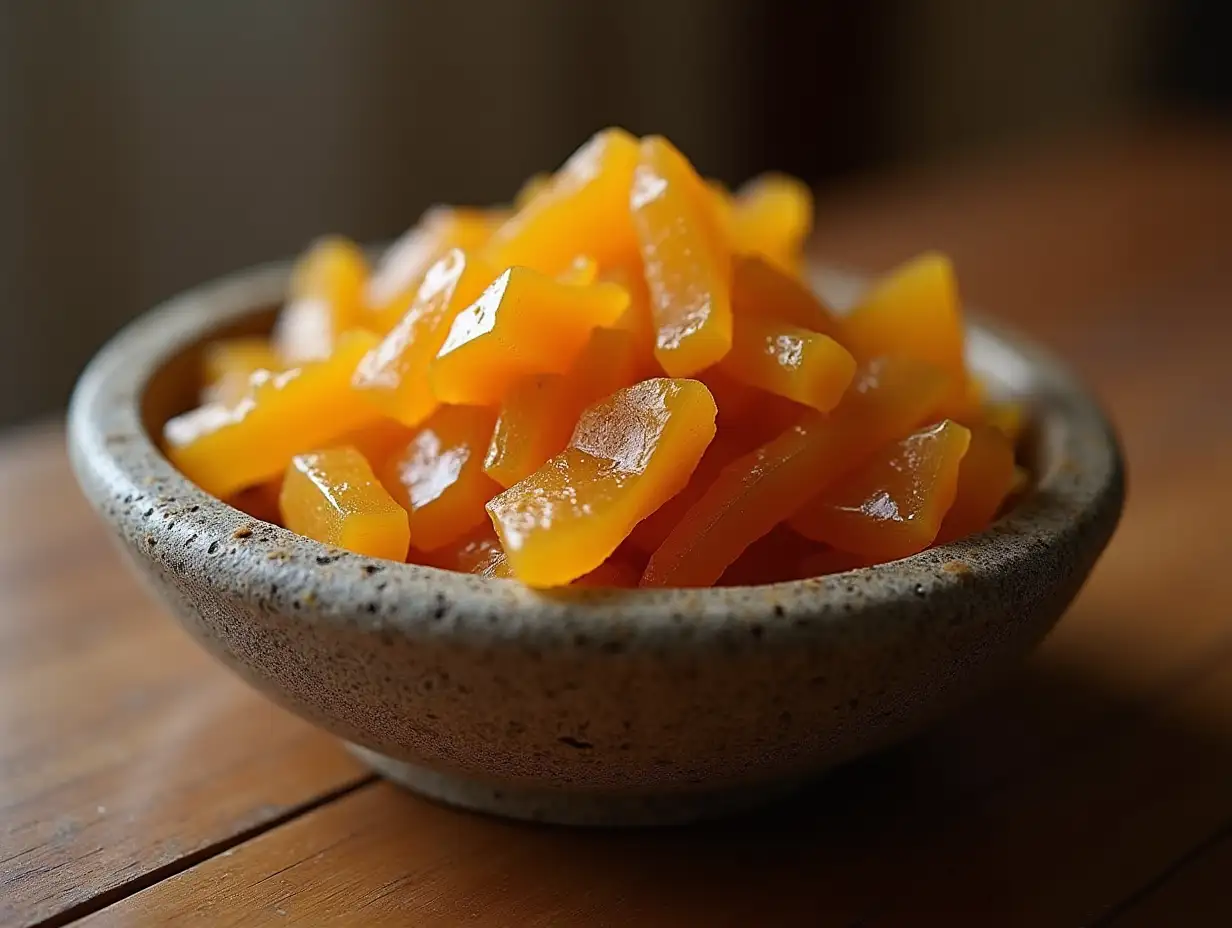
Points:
x=618, y=707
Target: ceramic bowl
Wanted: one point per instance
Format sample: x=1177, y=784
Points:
x=599, y=707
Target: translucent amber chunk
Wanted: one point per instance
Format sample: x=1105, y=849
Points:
x=582, y=271
x=524, y=323
x=763, y=290
x=652, y=531
x=801, y=365
x=893, y=505
x=723, y=208
x=393, y=377
x=438, y=477
x=476, y=552
x=376, y=441
x=334, y=497
x=539, y=413
x=821, y=562
x=1008, y=418
x=687, y=260
x=260, y=501
x=226, y=449
x=531, y=188
x=773, y=558
x=628, y=455
x=748, y=415
x=636, y=320
x=734, y=399
x=403, y=268
x=772, y=215
x=888, y=398
x=914, y=312
x=583, y=208
x=229, y=363
x=614, y=573
x=985, y=479
x=325, y=299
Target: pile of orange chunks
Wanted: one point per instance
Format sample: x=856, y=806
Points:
x=620, y=381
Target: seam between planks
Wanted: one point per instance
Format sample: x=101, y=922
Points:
x=153, y=877
x=1165, y=876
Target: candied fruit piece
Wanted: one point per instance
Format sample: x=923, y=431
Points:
x=229, y=363
x=772, y=215
x=581, y=272
x=769, y=418
x=914, y=312
x=584, y=207
x=479, y=550
x=726, y=447
x=226, y=449
x=260, y=501
x=539, y=413
x=325, y=299
x=531, y=188
x=893, y=505
x=334, y=497
x=498, y=567
x=524, y=323
x=614, y=573
x=801, y=365
x=396, y=281
x=393, y=377
x=888, y=397
x=985, y=479
x=474, y=553
x=438, y=476
x=761, y=289
x=629, y=454
x=723, y=209
x=376, y=441
x=774, y=558
x=820, y=562
x=734, y=399
x=1008, y=418
x=747, y=413
x=636, y=320
x=686, y=258
x=786, y=341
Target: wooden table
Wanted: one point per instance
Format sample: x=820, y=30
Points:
x=140, y=784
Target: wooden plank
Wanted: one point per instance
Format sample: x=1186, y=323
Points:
x=123, y=747
x=1019, y=797
x=1052, y=800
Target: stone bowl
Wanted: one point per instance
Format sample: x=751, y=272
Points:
x=589, y=707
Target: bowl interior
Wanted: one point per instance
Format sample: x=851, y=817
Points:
x=149, y=372
x=174, y=386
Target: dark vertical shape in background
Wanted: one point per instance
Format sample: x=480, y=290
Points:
x=1195, y=63
x=819, y=82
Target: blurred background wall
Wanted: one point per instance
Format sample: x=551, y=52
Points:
x=146, y=146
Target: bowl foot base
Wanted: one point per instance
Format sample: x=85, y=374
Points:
x=562, y=807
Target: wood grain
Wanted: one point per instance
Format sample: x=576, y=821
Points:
x=124, y=749
x=1090, y=788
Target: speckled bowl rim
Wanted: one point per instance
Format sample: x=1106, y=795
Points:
x=125, y=475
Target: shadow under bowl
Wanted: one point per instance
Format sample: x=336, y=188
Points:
x=587, y=707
